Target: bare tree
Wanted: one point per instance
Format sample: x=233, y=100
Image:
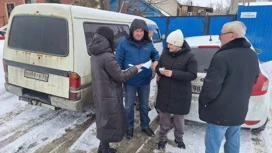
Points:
x=234, y=5
x=219, y=8
x=87, y=3
x=104, y=4
x=129, y=6
x=133, y=6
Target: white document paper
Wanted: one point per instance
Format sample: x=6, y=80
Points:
x=147, y=64
x=133, y=65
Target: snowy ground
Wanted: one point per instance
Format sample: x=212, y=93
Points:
x=25, y=128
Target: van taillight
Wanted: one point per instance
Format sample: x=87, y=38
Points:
x=2, y=37
x=74, y=81
x=248, y=122
x=5, y=70
x=261, y=86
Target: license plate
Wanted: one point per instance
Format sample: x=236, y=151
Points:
x=36, y=75
x=196, y=89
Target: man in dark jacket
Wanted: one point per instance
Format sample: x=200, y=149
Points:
x=223, y=101
x=137, y=49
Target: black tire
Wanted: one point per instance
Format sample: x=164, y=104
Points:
x=260, y=129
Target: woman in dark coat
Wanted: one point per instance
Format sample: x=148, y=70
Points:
x=107, y=78
x=177, y=68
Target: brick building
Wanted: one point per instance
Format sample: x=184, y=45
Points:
x=6, y=6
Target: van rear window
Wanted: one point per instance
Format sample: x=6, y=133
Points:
x=46, y=35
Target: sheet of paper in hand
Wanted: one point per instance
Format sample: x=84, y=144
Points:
x=133, y=65
x=147, y=64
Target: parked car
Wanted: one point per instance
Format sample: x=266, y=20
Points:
x=204, y=47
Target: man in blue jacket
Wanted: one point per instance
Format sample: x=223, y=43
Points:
x=134, y=50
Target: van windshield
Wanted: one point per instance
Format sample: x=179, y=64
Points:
x=203, y=57
x=46, y=35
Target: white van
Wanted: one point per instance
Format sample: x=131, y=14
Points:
x=45, y=56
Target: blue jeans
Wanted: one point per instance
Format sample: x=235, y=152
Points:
x=130, y=97
x=215, y=134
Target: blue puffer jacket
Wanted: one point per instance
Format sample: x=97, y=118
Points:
x=131, y=52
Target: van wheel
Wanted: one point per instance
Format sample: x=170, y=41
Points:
x=260, y=129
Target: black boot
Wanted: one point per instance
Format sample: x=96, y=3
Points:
x=180, y=144
x=148, y=132
x=161, y=145
x=105, y=148
x=129, y=134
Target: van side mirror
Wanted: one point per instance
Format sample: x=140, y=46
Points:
x=258, y=51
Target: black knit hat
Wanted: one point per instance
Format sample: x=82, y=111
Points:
x=107, y=33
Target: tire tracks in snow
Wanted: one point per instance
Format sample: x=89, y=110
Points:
x=63, y=143
x=16, y=132
x=9, y=116
x=6, y=95
x=132, y=145
x=262, y=141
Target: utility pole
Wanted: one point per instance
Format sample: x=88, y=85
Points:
x=233, y=6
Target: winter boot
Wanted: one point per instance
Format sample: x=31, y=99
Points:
x=161, y=145
x=129, y=134
x=180, y=144
x=106, y=148
x=148, y=132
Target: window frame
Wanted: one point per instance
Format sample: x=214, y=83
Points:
x=7, y=10
x=157, y=32
x=99, y=24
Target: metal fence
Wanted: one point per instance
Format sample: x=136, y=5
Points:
x=192, y=25
x=256, y=18
x=258, y=22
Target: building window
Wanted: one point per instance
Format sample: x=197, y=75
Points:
x=30, y=1
x=10, y=7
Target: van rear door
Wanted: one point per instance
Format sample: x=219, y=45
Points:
x=38, y=53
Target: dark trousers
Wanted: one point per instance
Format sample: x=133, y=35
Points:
x=166, y=124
